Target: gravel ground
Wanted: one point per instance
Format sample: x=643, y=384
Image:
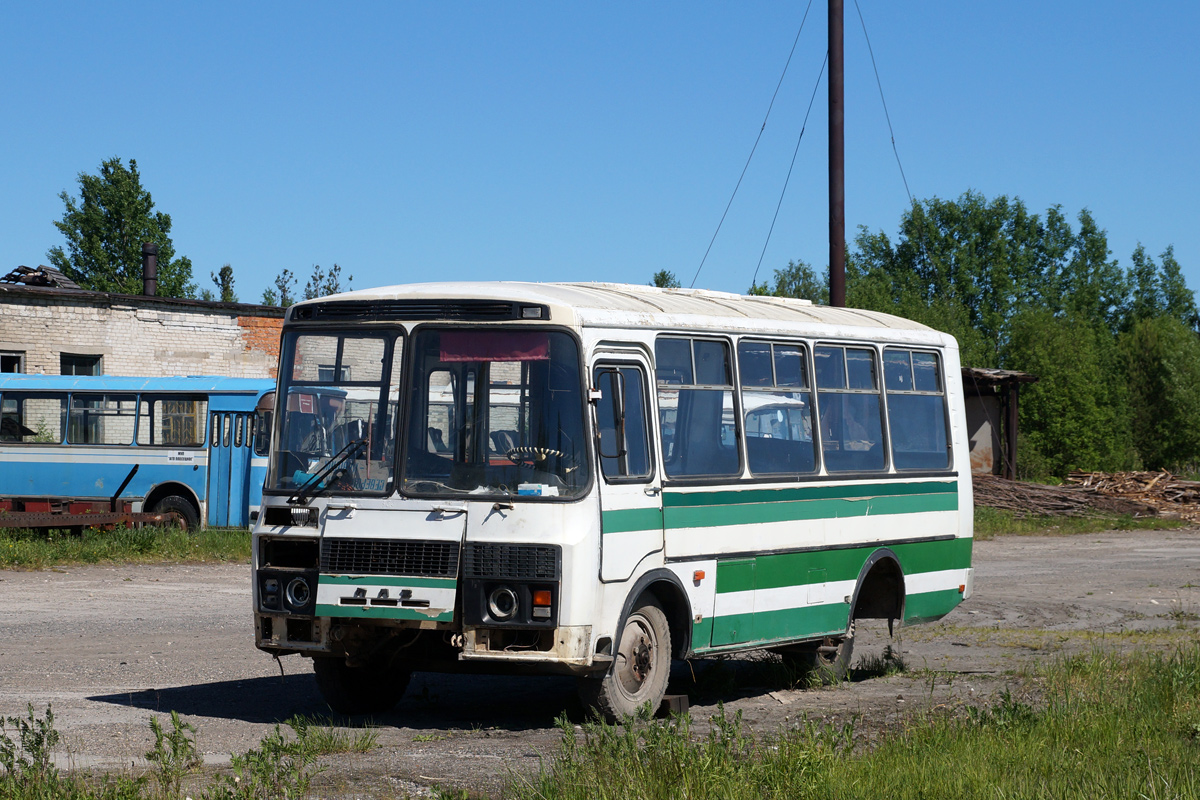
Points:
x=110, y=646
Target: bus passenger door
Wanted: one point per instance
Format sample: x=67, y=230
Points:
x=631, y=516
x=239, y=471
x=220, y=461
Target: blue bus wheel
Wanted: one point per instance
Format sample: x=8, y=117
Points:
x=189, y=518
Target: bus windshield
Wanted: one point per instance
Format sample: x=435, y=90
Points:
x=496, y=412
x=340, y=392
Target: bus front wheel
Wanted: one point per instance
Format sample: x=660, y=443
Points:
x=640, y=668
x=189, y=518
x=373, y=688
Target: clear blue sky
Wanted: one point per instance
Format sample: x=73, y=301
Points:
x=558, y=141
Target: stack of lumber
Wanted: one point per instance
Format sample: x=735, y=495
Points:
x=1161, y=491
x=1032, y=498
x=1077, y=498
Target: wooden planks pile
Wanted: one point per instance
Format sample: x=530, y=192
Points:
x=1074, y=499
x=1161, y=491
x=1030, y=498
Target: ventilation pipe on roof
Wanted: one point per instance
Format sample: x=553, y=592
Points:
x=149, y=269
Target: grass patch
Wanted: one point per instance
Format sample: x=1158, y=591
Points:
x=1103, y=725
x=282, y=766
x=992, y=522
x=33, y=548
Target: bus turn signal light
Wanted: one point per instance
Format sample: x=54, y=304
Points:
x=541, y=597
x=698, y=575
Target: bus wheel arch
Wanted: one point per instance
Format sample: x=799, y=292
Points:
x=654, y=628
x=175, y=497
x=879, y=591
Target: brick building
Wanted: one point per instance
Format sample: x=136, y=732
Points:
x=48, y=325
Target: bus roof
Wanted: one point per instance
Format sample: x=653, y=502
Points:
x=206, y=384
x=628, y=305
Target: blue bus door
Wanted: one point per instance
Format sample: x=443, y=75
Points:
x=220, y=462
x=239, y=470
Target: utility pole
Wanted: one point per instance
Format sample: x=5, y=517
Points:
x=837, y=157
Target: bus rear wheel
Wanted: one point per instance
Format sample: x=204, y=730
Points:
x=189, y=518
x=373, y=688
x=824, y=662
x=640, y=669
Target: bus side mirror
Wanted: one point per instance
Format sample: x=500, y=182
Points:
x=611, y=384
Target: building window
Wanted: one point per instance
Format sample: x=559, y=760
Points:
x=12, y=362
x=72, y=364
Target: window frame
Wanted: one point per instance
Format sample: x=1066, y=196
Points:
x=104, y=397
x=943, y=393
x=648, y=416
x=806, y=353
x=23, y=395
x=885, y=439
x=150, y=416
x=729, y=344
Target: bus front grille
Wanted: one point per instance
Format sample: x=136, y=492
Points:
x=431, y=559
x=517, y=561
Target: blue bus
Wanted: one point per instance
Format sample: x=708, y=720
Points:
x=196, y=446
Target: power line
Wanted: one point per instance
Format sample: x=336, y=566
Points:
x=804, y=125
x=762, y=128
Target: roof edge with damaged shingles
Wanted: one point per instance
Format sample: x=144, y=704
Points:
x=53, y=292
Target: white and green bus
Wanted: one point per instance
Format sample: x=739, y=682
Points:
x=595, y=479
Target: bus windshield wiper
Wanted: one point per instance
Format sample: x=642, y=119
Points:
x=330, y=473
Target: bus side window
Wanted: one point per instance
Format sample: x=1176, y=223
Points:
x=699, y=428
x=851, y=418
x=916, y=405
x=622, y=423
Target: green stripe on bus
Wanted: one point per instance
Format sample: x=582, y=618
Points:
x=383, y=612
x=797, y=510
x=388, y=580
x=826, y=492
x=785, y=623
x=716, y=509
x=632, y=519
x=826, y=566
x=930, y=606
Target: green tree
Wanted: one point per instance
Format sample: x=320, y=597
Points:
x=1162, y=365
x=105, y=229
x=281, y=295
x=223, y=280
x=1076, y=415
x=797, y=279
x=323, y=284
x=665, y=279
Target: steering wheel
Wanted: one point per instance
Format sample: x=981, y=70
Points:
x=532, y=455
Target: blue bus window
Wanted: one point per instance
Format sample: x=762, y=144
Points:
x=33, y=418
x=173, y=421
x=238, y=426
x=225, y=437
x=101, y=419
x=216, y=430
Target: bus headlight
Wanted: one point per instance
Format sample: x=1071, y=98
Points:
x=502, y=603
x=298, y=593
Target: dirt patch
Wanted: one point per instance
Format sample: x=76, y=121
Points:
x=110, y=646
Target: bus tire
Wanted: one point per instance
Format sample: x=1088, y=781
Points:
x=639, y=671
x=374, y=688
x=189, y=517
x=822, y=663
